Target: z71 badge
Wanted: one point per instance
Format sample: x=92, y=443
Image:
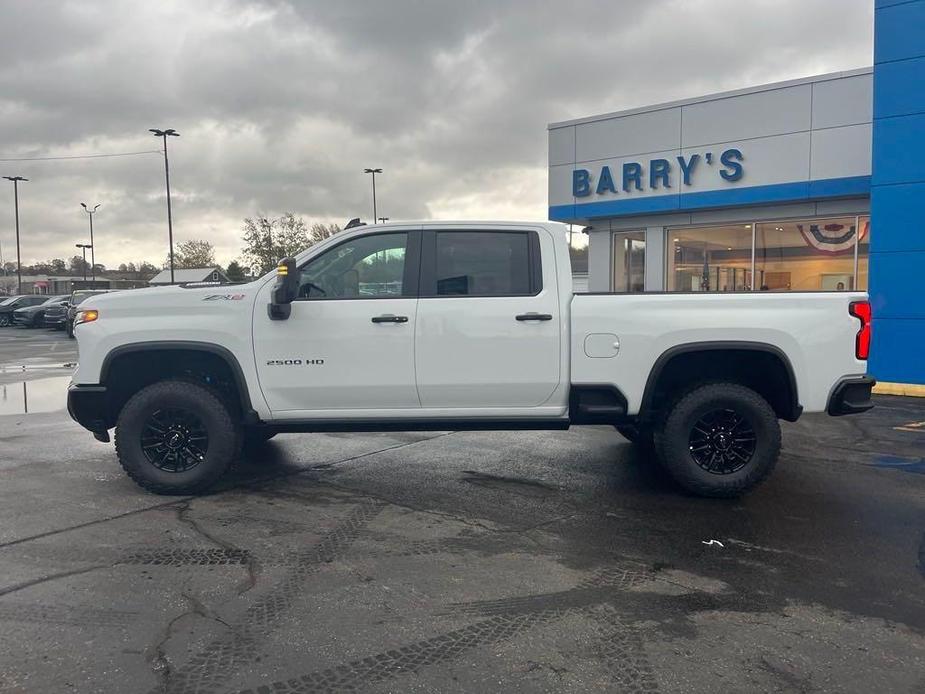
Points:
x=224, y=297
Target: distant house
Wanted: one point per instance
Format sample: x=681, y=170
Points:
x=188, y=275
x=55, y=285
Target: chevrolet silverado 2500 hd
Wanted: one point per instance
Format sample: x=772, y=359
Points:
x=449, y=326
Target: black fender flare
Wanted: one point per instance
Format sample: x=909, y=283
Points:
x=718, y=346
x=190, y=346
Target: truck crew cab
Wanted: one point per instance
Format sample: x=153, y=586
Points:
x=459, y=325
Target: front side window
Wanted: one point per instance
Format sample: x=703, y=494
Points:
x=482, y=263
x=368, y=267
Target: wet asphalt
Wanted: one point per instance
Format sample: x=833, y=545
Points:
x=456, y=562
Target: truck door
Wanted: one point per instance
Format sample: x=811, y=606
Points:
x=488, y=328
x=348, y=344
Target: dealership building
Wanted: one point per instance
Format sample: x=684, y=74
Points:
x=814, y=184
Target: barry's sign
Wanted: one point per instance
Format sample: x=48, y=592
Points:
x=661, y=173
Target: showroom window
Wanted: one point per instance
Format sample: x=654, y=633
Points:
x=710, y=259
x=824, y=254
x=629, y=261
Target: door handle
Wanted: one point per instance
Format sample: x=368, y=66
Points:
x=390, y=319
x=533, y=316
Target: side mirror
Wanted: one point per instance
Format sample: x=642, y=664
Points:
x=285, y=290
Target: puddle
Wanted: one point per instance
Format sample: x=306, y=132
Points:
x=39, y=395
x=897, y=463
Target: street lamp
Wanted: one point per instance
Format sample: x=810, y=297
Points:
x=16, y=180
x=164, y=134
x=84, y=247
x=373, y=172
x=92, y=250
x=383, y=219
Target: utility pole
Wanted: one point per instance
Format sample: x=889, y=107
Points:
x=83, y=247
x=16, y=180
x=373, y=172
x=164, y=134
x=92, y=244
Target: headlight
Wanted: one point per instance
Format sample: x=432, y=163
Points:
x=87, y=316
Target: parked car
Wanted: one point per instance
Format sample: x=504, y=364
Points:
x=9, y=305
x=460, y=326
x=34, y=316
x=56, y=315
x=76, y=298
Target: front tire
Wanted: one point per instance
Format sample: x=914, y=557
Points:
x=719, y=440
x=176, y=437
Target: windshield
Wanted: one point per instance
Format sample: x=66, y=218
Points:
x=53, y=300
x=9, y=300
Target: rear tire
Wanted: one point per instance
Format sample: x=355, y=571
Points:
x=4, y=321
x=254, y=437
x=719, y=440
x=176, y=437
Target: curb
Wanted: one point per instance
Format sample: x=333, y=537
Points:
x=907, y=389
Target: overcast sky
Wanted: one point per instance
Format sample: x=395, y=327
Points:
x=281, y=105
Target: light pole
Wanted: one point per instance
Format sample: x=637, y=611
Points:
x=383, y=219
x=16, y=180
x=83, y=247
x=92, y=250
x=373, y=172
x=164, y=134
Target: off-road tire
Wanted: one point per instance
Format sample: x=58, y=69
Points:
x=223, y=437
x=254, y=436
x=673, y=448
x=640, y=436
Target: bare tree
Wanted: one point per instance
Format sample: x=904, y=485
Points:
x=267, y=239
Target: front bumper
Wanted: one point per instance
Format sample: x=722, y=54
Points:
x=851, y=396
x=87, y=405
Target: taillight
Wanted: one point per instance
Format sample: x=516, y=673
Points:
x=861, y=311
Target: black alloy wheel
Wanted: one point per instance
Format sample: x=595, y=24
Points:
x=718, y=439
x=722, y=441
x=174, y=440
x=4, y=320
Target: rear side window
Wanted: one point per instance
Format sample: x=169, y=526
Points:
x=486, y=263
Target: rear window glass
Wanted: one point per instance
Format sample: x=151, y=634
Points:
x=482, y=264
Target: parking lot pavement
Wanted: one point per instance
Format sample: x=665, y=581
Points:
x=528, y=561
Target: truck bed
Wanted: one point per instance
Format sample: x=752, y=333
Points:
x=813, y=329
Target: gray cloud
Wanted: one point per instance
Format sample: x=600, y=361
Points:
x=282, y=104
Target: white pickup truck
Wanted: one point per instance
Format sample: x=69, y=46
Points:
x=459, y=325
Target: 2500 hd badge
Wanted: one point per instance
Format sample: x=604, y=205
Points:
x=295, y=362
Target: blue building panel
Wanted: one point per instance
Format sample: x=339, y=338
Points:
x=899, y=32
x=896, y=219
x=894, y=93
x=850, y=186
x=897, y=199
x=896, y=287
x=899, y=149
x=896, y=353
